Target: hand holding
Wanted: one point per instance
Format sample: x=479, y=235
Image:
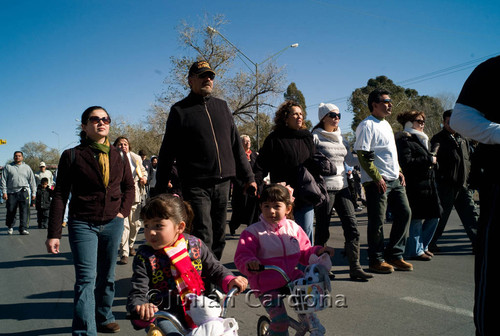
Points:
x=253, y=266
x=146, y=311
x=239, y=282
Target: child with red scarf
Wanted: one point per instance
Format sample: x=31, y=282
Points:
x=172, y=264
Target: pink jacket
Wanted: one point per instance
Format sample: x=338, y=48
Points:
x=284, y=245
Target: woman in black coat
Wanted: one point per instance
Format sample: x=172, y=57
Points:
x=285, y=150
x=418, y=165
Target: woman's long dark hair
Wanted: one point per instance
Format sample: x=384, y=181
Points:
x=85, y=119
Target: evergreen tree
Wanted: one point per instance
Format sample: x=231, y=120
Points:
x=403, y=99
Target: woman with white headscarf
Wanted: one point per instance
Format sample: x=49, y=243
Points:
x=329, y=141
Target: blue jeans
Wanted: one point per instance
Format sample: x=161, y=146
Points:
x=377, y=202
x=95, y=250
x=420, y=236
x=305, y=218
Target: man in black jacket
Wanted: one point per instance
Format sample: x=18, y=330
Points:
x=453, y=180
x=202, y=139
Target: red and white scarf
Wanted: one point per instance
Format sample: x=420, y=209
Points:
x=187, y=279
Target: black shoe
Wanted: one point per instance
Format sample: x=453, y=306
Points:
x=434, y=248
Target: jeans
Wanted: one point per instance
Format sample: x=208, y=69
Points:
x=95, y=250
x=305, y=218
x=21, y=200
x=209, y=203
x=420, y=236
x=377, y=202
x=342, y=202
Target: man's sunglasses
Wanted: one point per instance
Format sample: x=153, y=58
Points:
x=207, y=74
x=95, y=120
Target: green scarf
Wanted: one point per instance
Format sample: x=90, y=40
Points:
x=103, y=158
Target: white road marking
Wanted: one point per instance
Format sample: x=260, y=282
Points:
x=431, y=304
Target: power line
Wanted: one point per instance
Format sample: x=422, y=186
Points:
x=431, y=75
x=447, y=71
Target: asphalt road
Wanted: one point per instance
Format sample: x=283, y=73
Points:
x=434, y=299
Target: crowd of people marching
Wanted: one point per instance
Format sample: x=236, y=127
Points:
x=288, y=188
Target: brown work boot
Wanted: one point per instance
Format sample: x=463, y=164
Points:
x=132, y=252
x=380, y=267
x=123, y=260
x=401, y=265
x=109, y=328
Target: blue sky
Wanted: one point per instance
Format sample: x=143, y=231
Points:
x=59, y=57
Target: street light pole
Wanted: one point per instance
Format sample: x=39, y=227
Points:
x=58, y=142
x=256, y=65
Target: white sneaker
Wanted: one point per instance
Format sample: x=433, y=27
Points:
x=24, y=232
x=10, y=231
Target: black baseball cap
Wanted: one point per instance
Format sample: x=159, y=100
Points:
x=200, y=67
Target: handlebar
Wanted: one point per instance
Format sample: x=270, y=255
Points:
x=228, y=298
x=275, y=268
x=177, y=324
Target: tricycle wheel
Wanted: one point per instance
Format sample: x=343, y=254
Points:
x=263, y=325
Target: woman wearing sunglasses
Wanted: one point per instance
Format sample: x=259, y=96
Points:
x=418, y=165
x=329, y=141
x=102, y=192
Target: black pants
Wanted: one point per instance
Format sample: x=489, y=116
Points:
x=342, y=202
x=487, y=292
x=21, y=200
x=209, y=203
x=42, y=216
x=244, y=208
x=462, y=199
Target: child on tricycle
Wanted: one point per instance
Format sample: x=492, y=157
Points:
x=278, y=241
x=172, y=264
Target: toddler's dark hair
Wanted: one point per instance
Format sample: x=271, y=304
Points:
x=276, y=193
x=44, y=180
x=168, y=206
